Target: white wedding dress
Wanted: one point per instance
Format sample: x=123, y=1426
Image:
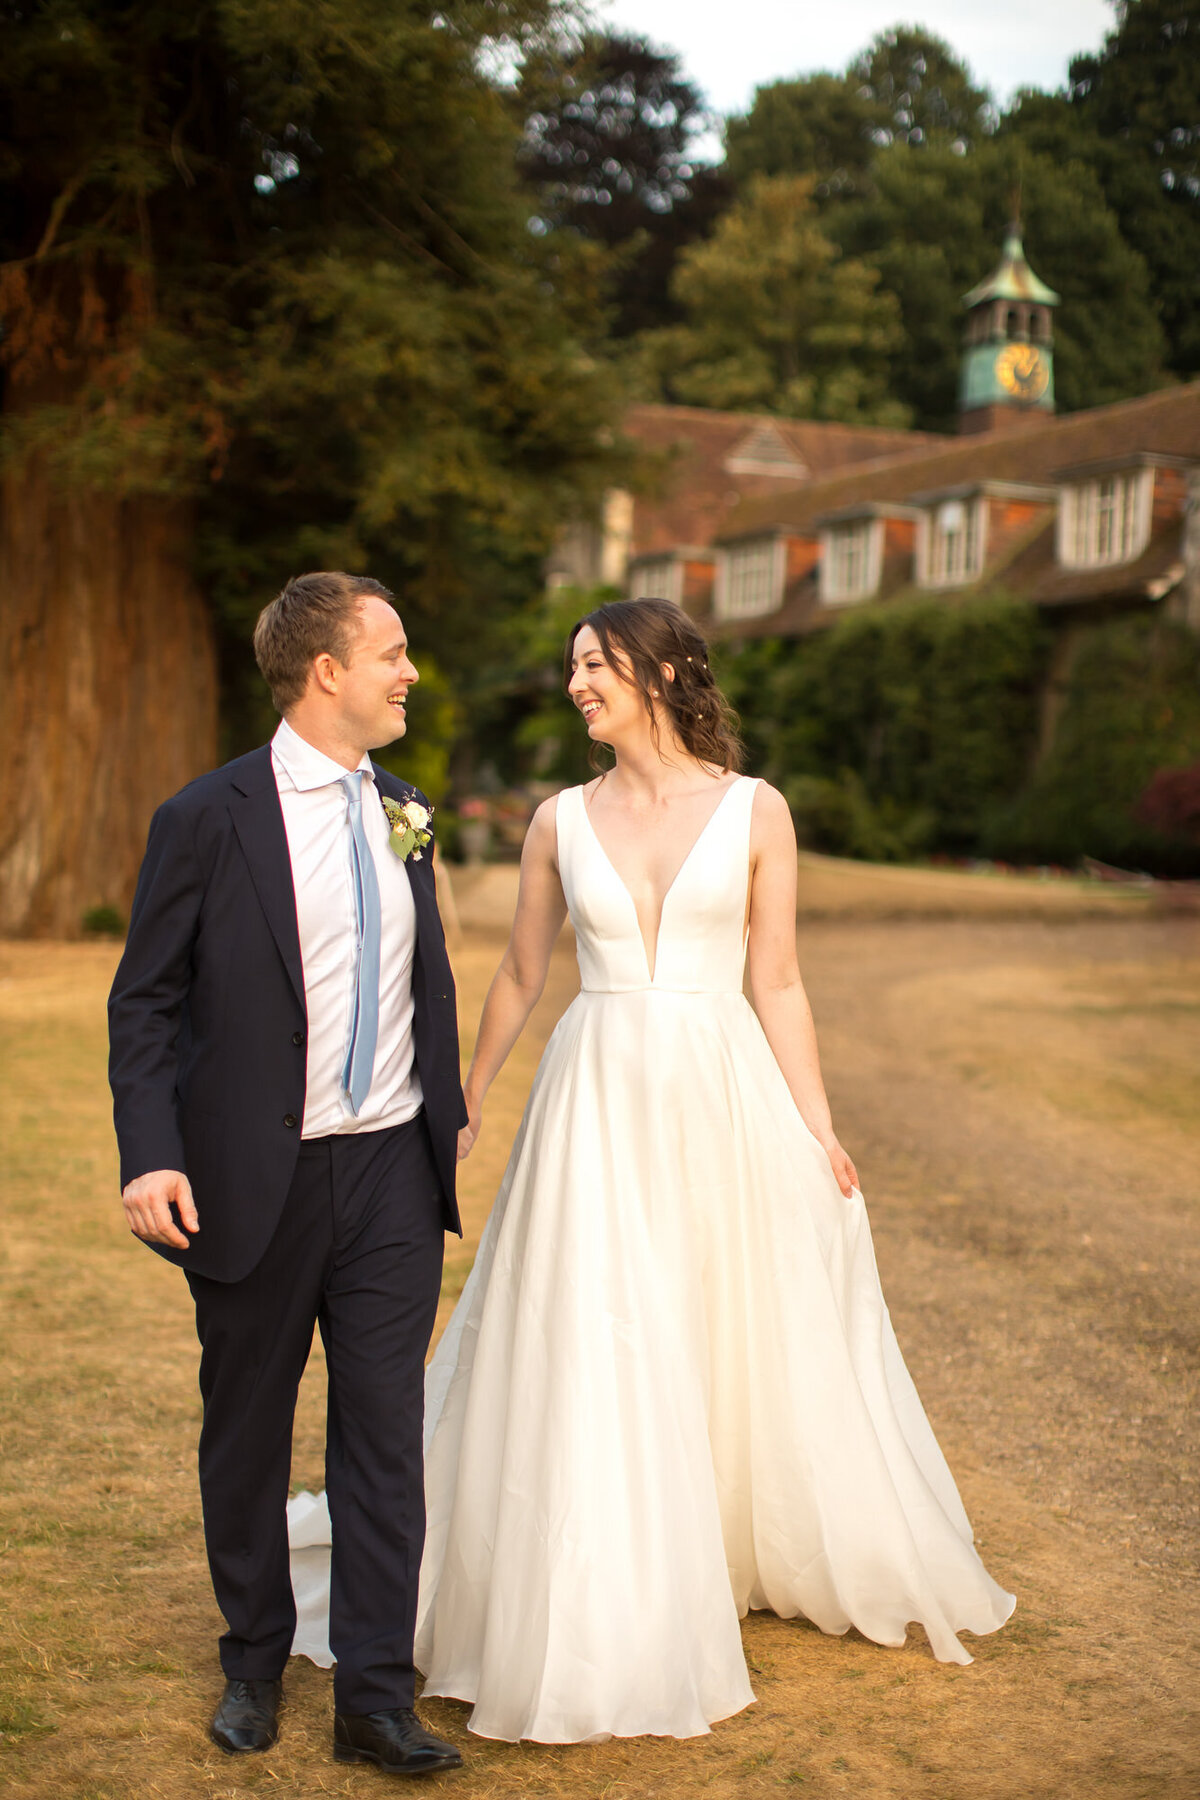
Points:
x=670, y=1391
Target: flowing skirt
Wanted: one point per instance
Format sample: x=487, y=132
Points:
x=669, y=1393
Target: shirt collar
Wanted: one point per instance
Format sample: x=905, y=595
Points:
x=306, y=766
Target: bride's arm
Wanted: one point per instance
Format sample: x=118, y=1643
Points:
x=518, y=982
x=775, y=985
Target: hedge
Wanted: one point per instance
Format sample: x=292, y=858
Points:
x=913, y=729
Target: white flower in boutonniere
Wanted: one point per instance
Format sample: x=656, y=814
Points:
x=409, y=821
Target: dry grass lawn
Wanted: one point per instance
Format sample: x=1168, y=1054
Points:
x=1021, y=1098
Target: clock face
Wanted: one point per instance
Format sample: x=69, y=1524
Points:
x=1021, y=371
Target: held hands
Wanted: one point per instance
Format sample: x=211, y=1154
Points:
x=844, y=1171
x=147, y=1202
x=469, y=1132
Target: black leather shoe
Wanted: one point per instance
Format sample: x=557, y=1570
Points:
x=395, y=1740
x=248, y=1716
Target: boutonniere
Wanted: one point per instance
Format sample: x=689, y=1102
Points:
x=410, y=827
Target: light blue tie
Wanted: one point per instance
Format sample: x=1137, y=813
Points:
x=364, y=1024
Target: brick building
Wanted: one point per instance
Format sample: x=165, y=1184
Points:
x=1086, y=515
x=769, y=526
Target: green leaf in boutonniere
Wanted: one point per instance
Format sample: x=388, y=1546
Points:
x=409, y=821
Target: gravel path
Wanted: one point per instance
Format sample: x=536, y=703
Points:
x=1042, y=1263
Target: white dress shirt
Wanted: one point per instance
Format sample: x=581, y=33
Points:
x=317, y=821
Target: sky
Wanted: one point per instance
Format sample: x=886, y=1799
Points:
x=729, y=50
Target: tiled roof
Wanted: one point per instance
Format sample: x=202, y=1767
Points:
x=689, y=500
x=1037, y=575
x=1165, y=423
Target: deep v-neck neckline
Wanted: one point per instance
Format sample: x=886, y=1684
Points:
x=652, y=967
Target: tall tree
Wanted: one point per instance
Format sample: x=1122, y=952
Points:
x=906, y=87
x=610, y=130
x=932, y=226
x=1132, y=114
x=925, y=90
x=777, y=320
x=819, y=125
x=269, y=299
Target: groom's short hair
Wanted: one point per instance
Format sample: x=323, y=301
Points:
x=314, y=614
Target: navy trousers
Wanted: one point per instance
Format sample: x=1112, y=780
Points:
x=358, y=1251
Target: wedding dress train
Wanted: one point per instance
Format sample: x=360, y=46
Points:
x=670, y=1391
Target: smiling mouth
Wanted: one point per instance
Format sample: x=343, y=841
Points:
x=590, y=709
x=397, y=700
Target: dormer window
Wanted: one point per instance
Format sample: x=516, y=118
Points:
x=750, y=577
x=655, y=578
x=851, y=554
x=1106, y=520
x=954, y=543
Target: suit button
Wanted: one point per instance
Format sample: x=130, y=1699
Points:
x=289, y=1120
x=297, y=1037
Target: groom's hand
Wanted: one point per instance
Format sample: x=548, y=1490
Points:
x=467, y=1135
x=147, y=1202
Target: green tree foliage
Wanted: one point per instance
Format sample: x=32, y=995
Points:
x=914, y=728
x=1132, y=114
x=273, y=255
x=1109, y=196
x=546, y=737
x=924, y=90
x=898, y=729
x=933, y=224
x=1132, y=708
x=776, y=320
x=609, y=129
x=819, y=125
x=907, y=87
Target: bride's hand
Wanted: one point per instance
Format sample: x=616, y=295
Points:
x=844, y=1171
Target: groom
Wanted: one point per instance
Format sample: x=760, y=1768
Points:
x=284, y=1066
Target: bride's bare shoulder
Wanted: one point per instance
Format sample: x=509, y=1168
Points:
x=542, y=826
x=771, y=820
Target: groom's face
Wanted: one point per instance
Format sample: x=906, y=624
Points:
x=372, y=687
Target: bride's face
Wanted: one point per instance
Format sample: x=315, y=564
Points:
x=607, y=696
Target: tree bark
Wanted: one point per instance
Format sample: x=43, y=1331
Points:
x=110, y=701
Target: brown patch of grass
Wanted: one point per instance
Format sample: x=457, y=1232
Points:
x=1115, y=1043
x=107, y=1656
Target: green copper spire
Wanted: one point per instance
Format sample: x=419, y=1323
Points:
x=1012, y=279
x=1007, y=369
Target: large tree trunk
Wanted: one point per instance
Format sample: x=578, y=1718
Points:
x=110, y=700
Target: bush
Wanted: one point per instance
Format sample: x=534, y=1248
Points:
x=103, y=921
x=838, y=817
x=1132, y=709
x=1171, y=803
x=912, y=721
x=914, y=728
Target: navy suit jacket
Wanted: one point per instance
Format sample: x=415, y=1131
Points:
x=207, y=1022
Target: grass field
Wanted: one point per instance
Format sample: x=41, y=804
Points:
x=1021, y=1099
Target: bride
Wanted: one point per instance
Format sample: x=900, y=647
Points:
x=670, y=1391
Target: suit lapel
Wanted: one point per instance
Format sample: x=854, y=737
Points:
x=418, y=872
x=258, y=821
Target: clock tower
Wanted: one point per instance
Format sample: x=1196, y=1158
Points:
x=1007, y=378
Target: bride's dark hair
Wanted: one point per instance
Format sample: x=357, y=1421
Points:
x=651, y=633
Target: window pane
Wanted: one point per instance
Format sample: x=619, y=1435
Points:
x=954, y=543
x=654, y=580
x=1103, y=522
x=849, y=559
x=750, y=580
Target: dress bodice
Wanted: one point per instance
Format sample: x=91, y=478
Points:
x=702, y=931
